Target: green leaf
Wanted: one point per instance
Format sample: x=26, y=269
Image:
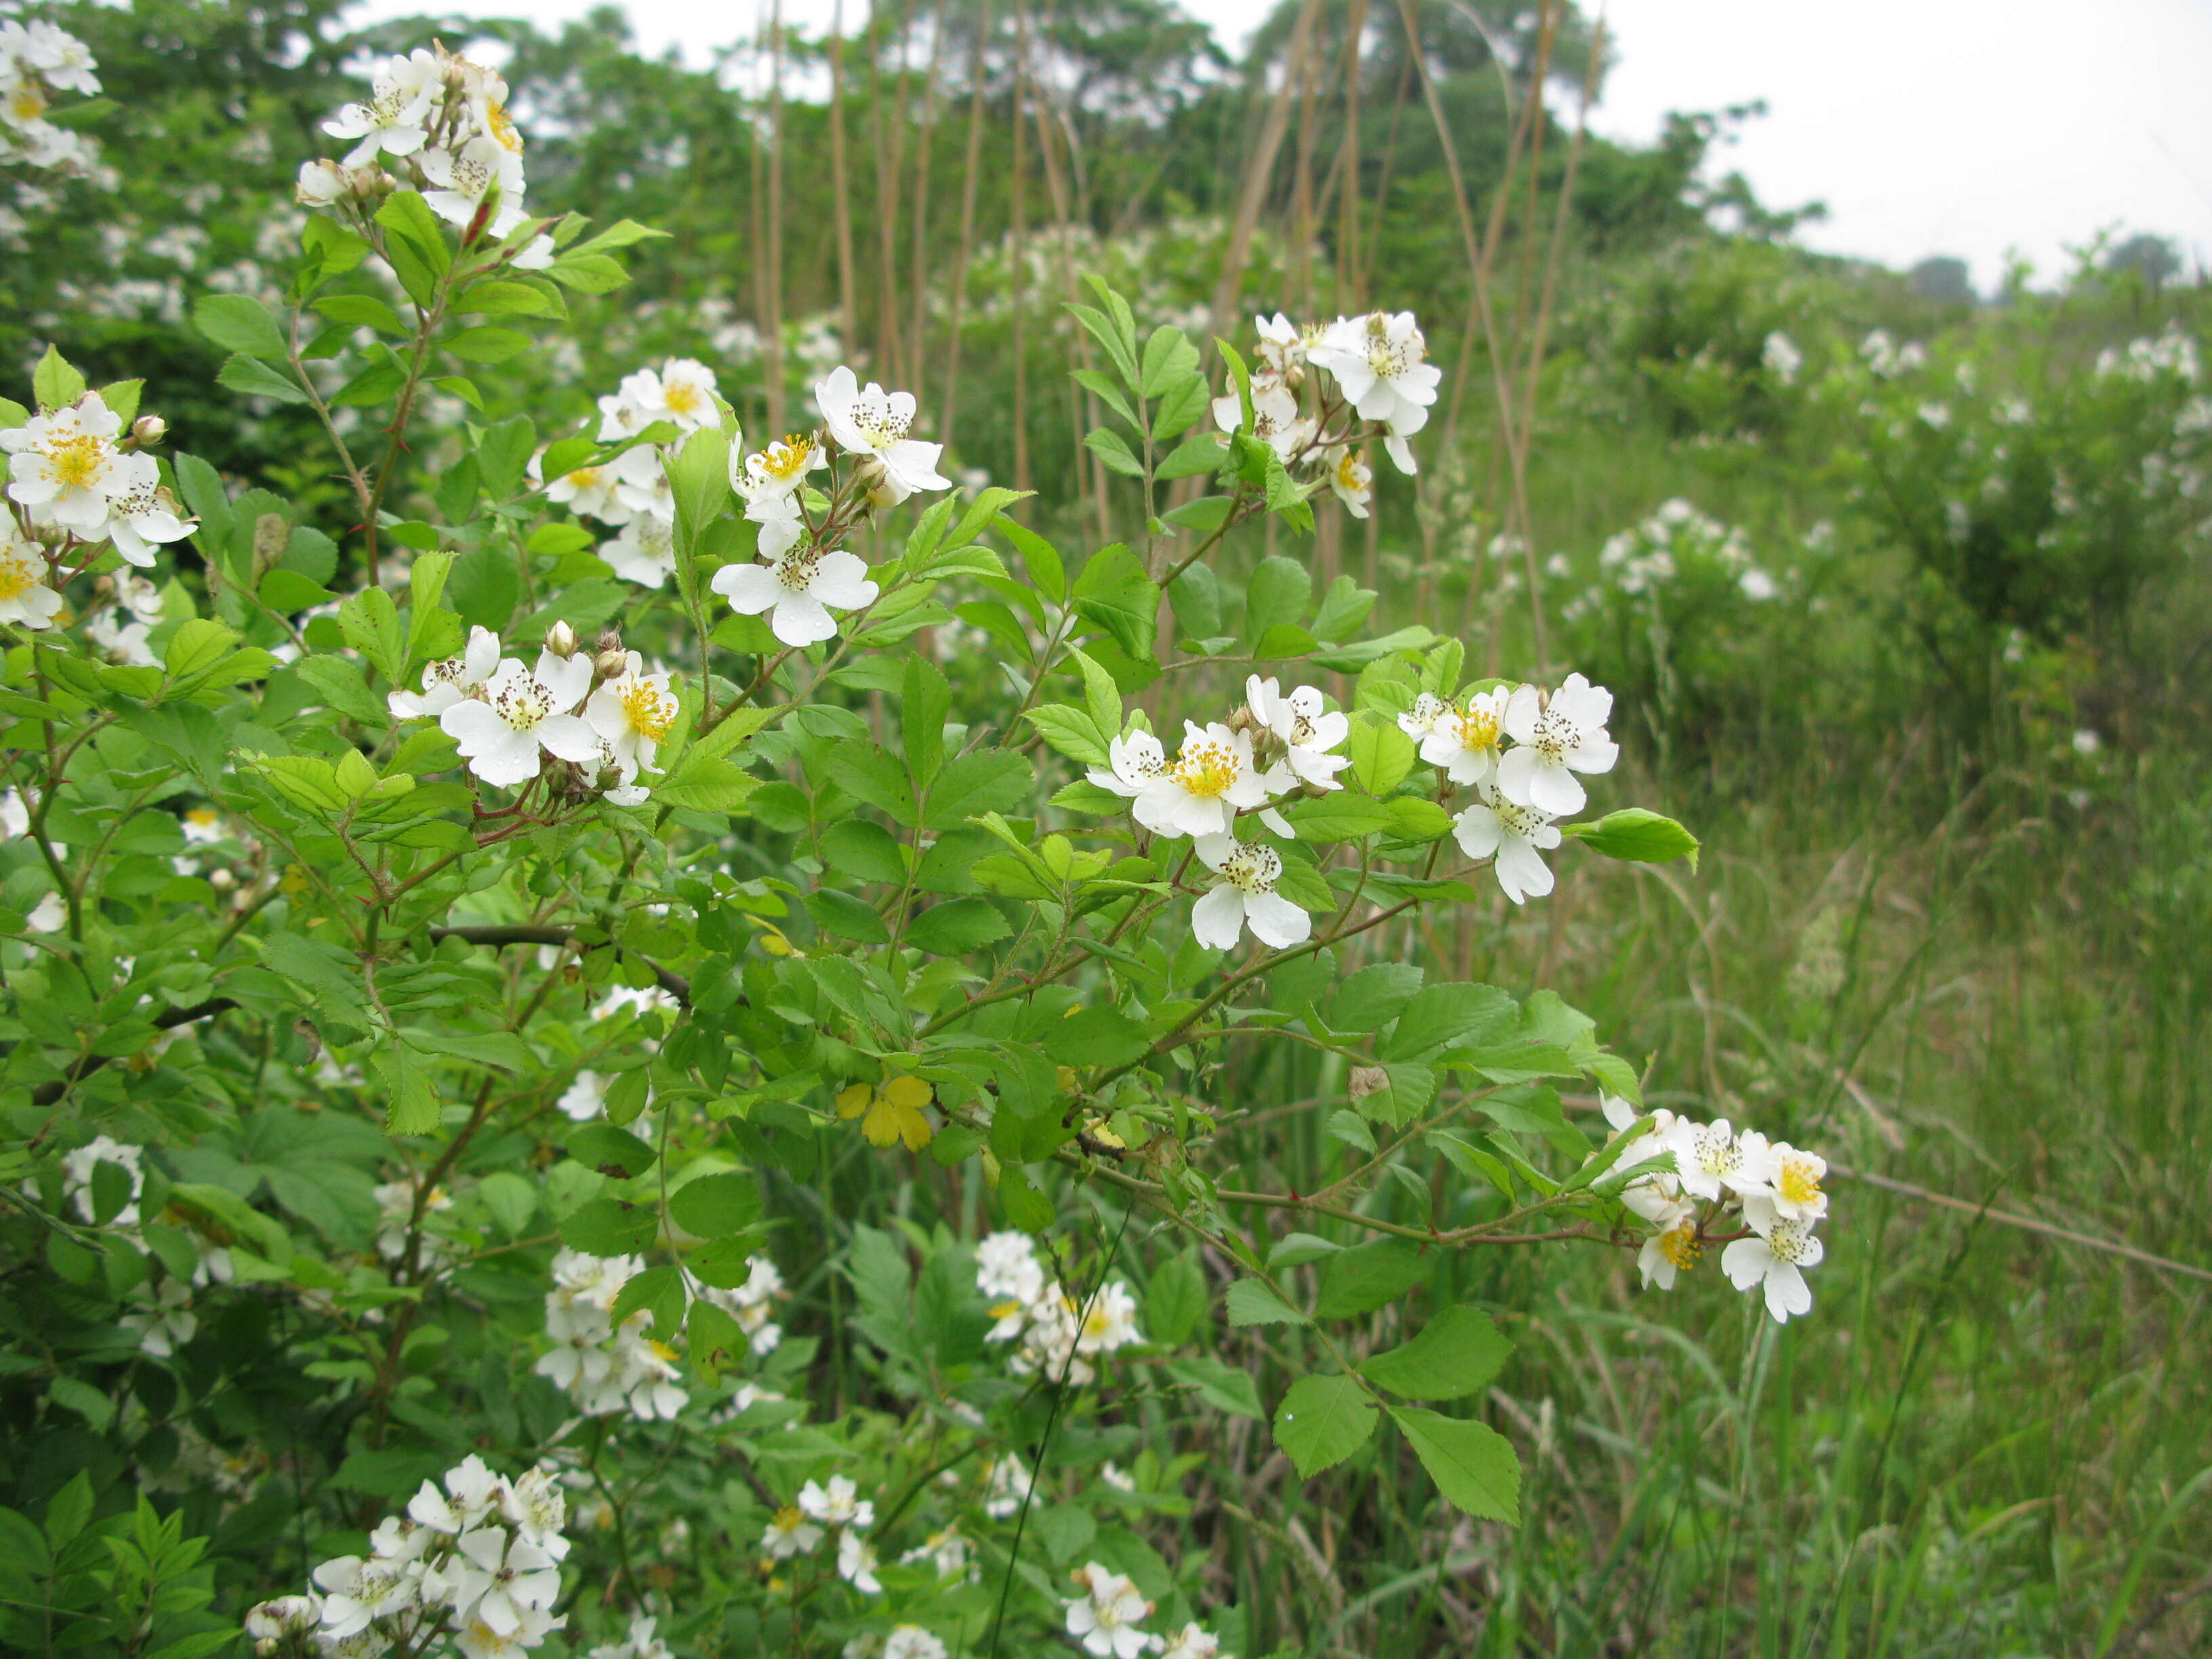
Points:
x=198, y=643
x=606, y=1226
x=1277, y=593
x=1338, y=815
x=873, y=776
x=1637, y=836
x=1381, y=754
x=484, y=585
x=1474, y=1465
x=1205, y=515
x=486, y=344
x=624, y=232
x=1253, y=1301
x=1343, y=608
x=511, y=1198
x=1458, y=1352
x=1442, y=1015
x=255, y=378
x=699, y=478
x=1323, y=1420
x=1110, y=448
x=659, y=1289
x=987, y=780
x=505, y=298
x=1069, y=731
x=925, y=699
x=55, y=383
x=1224, y=1387
x=615, y=1153
x=360, y=310
x=957, y=927
x=1099, y=1036
x=1040, y=557
x=1114, y=593
x=844, y=916
x=1193, y=455
x=1368, y=1276
x=1373, y=997
x=1101, y=696
x=370, y=623
x=862, y=848
x=237, y=322
x=1176, y=1299
x=704, y=782
x=716, y=1205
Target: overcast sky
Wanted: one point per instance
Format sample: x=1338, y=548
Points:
x=1970, y=127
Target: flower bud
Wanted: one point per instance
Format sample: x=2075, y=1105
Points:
x=610, y=664
x=873, y=482
x=147, y=431
x=1368, y=1080
x=560, y=640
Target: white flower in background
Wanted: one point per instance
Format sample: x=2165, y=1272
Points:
x=945, y=1551
x=535, y=1506
x=1352, y=482
x=1781, y=358
x=789, y=1533
x=1275, y=419
x=284, y=1615
x=1789, y=1182
x=67, y=468
x=473, y=1494
x=912, y=1642
x=454, y=680
x=501, y=1581
x=1559, y=735
x=1381, y=362
x=837, y=1504
x=1463, y=742
x=322, y=184
x=78, y=1167
x=584, y=1099
x=1006, y=1267
x=48, y=915
x=1513, y=837
x=1245, y=896
x=25, y=599
x=522, y=711
x=143, y=513
x=874, y=422
x=1307, y=729
x=632, y=712
x=1111, y=1319
x=681, y=390
x=856, y=1564
x=63, y=61
x=1282, y=346
x=598, y=492
x=1104, y=1619
x=751, y=1305
x=1008, y=1484
x=799, y=591
x=466, y=177
x=1418, y=721
x=1193, y=1641
x=1115, y=1476
x=395, y=1207
x=782, y=521
x=1774, y=1260
x=166, y=1322
x=396, y=118
x=357, y=1591
x=622, y=416
x=640, y=1643
x=645, y=552
x=16, y=808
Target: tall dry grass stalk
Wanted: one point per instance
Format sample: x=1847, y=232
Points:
x=1018, y=255
x=971, y=172
x=841, y=178
x=917, y=327
x=884, y=125
x=1259, y=172
x=771, y=292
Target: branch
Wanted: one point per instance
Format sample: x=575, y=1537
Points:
x=675, y=984
x=47, y=1093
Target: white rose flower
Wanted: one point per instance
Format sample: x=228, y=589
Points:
x=1105, y=1619
x=798, y=589
x=1559, y=735
x=1307, y=729
x=521, y=712
x=1774, y=1261
x=874, y=422
x=395, y=119
x=1463, y=742
x=1382, y=364
x=632, y=712
x=25, y=599
x=1513, y=837
x=465, y=177
x=1275, y=419
x=67, y=468
x=451, y=680
x=1245, y=896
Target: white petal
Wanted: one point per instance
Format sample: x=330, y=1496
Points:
x=1787, y=1292
x=1521, y=711
x=568, y=737
x=1522, y=871
x=473, y=726
x=841, y=579
x=750, y=588
x=1213, y=851
x=1218, y=920
x=1478, y=831
x=1746, y=1262
x=1275, y=920
x=1553, y=789
x=801, y=619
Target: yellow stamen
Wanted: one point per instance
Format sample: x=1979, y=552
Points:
x=1682, y=1247
x=649, y=710
x=501, y=126
x=1205, y=768
x=76, y=461
x=680, y=395
x=1799, y=1184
